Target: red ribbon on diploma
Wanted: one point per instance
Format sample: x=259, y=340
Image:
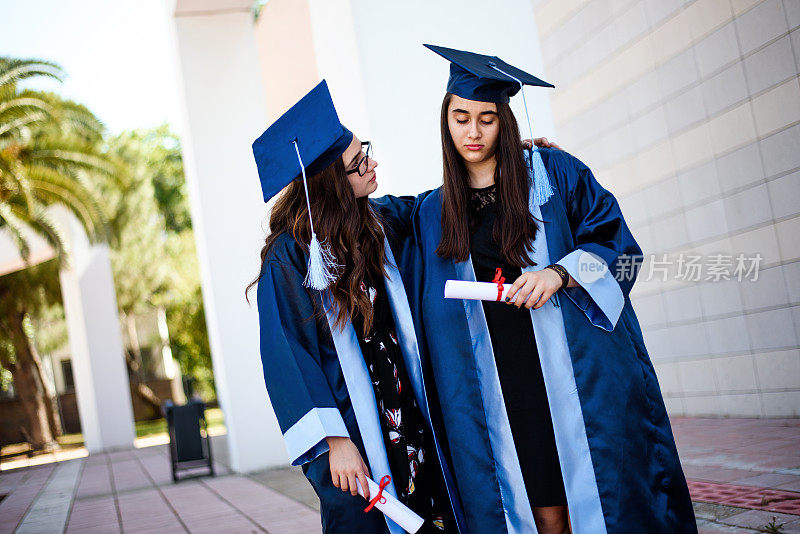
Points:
x=379, y=497
x=500, y=280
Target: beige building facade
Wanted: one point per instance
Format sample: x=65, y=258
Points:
x=689, y=111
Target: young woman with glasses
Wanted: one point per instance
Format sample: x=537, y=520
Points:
x=340, y=361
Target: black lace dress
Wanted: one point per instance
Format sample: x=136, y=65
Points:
x=409, y=446
x=517, y=360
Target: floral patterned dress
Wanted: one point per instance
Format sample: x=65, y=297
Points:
x=412, y=459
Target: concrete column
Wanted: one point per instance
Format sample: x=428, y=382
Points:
x=224, y=113
x=98, y=357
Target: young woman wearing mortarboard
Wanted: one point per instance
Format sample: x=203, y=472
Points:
x=546, y=401
x=337, y=340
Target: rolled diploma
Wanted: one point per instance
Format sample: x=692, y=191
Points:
x=462, y=289
x=393, y=509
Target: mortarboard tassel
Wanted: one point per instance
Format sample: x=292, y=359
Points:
x=322, y=264
x=542, y=190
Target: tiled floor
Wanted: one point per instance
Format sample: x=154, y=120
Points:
x=743, y=475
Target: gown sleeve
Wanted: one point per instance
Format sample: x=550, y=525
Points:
x=297, y=387
x=401, y=225
x=395, y=213
x=607, y=258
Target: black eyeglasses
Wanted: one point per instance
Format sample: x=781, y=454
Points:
x=363, y=163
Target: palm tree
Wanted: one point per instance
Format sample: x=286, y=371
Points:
x=22, y=294
x=50, y=152
x=48, y=148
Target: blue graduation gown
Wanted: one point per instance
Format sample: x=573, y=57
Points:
x=316, y=377
x=618, y=457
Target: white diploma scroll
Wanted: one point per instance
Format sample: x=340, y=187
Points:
x=462, y=289
x=392, y=508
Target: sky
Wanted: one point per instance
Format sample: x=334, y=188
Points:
x=117, y=55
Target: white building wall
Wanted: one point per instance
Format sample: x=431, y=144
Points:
x=689, y=111
x=389, y=88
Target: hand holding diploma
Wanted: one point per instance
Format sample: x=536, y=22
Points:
x=346, y=464
x=532, y=289
x=391, y=507
x=461, y=289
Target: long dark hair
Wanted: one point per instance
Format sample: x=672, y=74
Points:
x=515, y=227
x=349, y=225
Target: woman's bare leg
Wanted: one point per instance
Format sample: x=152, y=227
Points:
x=552, y=519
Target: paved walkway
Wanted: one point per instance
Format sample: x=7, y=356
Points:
x=132, y=491
x=743, y=474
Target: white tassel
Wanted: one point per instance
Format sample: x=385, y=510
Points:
x=323, y=269
x=542, y=189
x=322, y=266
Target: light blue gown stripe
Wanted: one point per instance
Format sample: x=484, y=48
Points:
x=305, y=440
x=605, y=301
x=401, y=313
x=580, y=483
x=518, y=512
x=404, y=325
x=359, y=387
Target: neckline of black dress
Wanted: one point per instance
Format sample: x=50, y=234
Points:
x=479, y=189
x=480, y=197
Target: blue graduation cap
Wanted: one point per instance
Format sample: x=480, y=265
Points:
x=304, y=141
x=310, y=127
x=490, y=79
x=484, y=78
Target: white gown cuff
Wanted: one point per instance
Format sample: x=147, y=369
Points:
x=305, y=440
x=598, y=295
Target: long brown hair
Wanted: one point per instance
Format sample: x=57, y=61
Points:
x=515, y=227
x=348, y=224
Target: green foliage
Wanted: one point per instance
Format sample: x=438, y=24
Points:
x=169, y=184
x=50, y=326
x=128, y=191
x=258, y=7
x=214, y=420
x=155, y=263
x=156, y=154
x=37, y=292
x=140, y=275
x=34, y=292
x=6, y=379
x=50, y=153
x=773, y=527
x=189, y=342
x=31, y=289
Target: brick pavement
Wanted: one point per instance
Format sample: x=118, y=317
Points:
x=743, y=474
x=132, y=491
